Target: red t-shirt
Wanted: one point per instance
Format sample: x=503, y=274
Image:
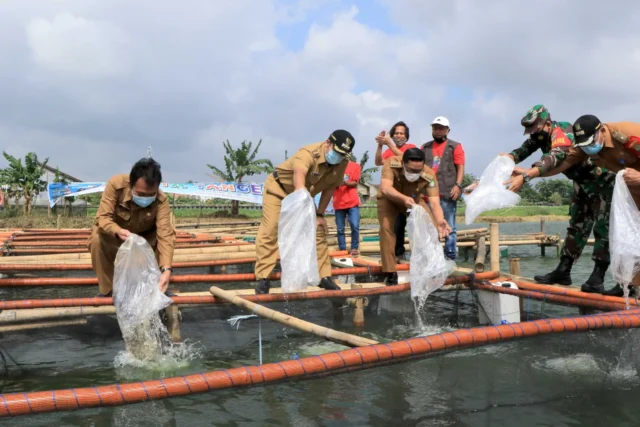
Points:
x=347, y=197
x=388, y=153
x=438, y=150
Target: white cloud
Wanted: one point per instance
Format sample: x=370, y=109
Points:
x=78, y=46
x=184, y=79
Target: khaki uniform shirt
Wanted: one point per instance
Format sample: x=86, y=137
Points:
x=320, y=174
x=118, y=211
x=614, y=155
x=426, y=185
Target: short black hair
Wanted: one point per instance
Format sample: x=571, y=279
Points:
x=413, y=155
x=148, y=169
x=393, y=129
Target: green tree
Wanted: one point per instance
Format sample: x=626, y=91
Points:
x=366, y=175
x=468, y=179
x=556, y=199
x=547, y=187
x=25, y=180
x=240, y=163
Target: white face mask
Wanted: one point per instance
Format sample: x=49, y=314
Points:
x=399, y=141
x=411, y=177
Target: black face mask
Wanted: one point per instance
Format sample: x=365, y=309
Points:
x=540, y=136
x=439, y=139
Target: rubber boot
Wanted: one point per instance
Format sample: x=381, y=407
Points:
x=328, y=284
x=617, y=291
x=561, y=275
x=595, y=282
x=391, y=279
x=263, y=286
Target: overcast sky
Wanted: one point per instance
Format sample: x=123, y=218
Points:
x=91, y=83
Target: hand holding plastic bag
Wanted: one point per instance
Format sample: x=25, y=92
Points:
x=624, y=233
x=297, y=242
x=491, y=192
x=428, y=268
x=137, y=297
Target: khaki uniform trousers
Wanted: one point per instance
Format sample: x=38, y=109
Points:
x=104, y=249
x=267, y=238
x=388, y=211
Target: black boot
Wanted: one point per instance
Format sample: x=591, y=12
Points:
x=263, y=286
x=617, y=291
x=99, y=295
x=328, y=284
x=561, y=275
x=391, y=279
x=595, y=282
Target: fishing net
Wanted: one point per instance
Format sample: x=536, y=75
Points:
x=491, y=192
x=428, y=267
x=138, y=299
x=297, y=242
x=624, y=229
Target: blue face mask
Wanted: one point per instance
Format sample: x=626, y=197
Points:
x=333, y=157
x=592, y=149
x=143, y=202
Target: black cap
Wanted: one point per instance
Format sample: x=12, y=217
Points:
x=584, y=128
x=342, y=141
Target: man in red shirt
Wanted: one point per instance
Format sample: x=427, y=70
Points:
x=346, y=204
x=446, y=158
x=396, y=141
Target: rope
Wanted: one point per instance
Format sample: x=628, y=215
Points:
x=235, y=321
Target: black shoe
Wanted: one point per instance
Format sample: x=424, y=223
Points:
x=328, y=284
x=595, y=282
x=170, y=294
x=263, y=286
x=561, y=275
x=617, y=291
x=99, y=295
x=391, y=279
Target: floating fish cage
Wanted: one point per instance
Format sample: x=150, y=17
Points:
x=272, y=338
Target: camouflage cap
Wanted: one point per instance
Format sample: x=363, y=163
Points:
x=535, y=119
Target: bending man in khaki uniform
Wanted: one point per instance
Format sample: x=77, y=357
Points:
x=132, y=204
x=404, y=183
x=614, y=146
x=319, y=168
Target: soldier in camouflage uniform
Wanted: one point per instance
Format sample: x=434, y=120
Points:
x=590, y=203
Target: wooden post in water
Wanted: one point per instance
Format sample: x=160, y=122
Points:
x=173, y=322
x=358, y=307
x=292, y=322
x=58, y=222
x=494, y=246
x=542, y=245
x=481, y=253
x=514, y=269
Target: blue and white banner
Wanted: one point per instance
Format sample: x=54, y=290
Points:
x=251, y=193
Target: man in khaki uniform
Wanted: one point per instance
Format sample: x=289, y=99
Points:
x=614, y=146
x=132, y=204
x=405, y=182
x=319, y=168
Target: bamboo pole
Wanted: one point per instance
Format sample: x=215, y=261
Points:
x=16, y=316
x=481, y=254
x=494, y=237
x=299, y=324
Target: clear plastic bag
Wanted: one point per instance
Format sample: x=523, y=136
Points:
x=624, y=229
x=491, y=192
x=138, y=299
x=297, y=242
x=428, y=268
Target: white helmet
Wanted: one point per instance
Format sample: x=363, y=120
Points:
x=440, y=120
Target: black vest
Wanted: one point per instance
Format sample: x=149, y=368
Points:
x=447, y=172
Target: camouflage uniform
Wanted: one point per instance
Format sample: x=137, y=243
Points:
x=593, y=186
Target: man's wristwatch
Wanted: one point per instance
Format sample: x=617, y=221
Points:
x=459, y=185
x=163, y=269
x=526, y=178
x=320, y=215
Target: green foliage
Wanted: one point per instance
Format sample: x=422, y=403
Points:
x=547, y=187
x=366, y=175
x=556, y=199
x=468, y=179
x=240, y=163
x=23, y=180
